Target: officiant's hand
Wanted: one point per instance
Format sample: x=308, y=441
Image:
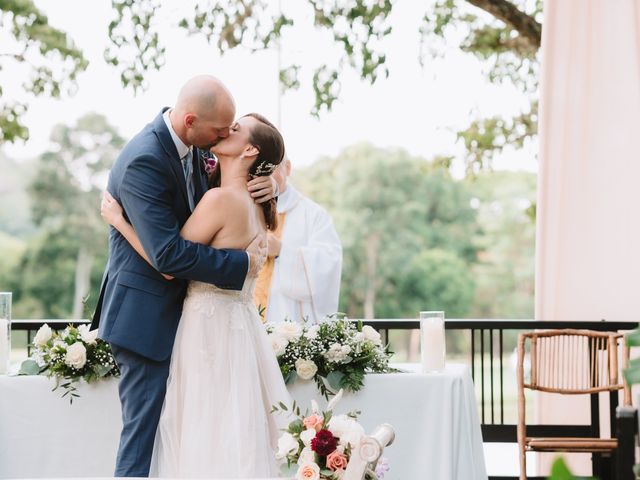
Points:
x=273, y=245
x=263, y=189
x=257, y=251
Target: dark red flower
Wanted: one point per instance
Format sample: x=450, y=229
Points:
x=324, y=443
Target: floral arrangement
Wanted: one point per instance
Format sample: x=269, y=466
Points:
x=208, y=161
x=335, y=353
x=318, y=445
x=69, y=356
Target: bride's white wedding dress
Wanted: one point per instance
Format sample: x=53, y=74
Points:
x=223, y=380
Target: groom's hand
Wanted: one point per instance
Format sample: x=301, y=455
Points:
x=257, y=251
x=263, y=189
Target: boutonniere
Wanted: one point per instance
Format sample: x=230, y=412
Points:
x=208, y=160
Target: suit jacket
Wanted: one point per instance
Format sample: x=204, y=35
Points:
x=138, y=309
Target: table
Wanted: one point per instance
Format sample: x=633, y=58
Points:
x=434, y=416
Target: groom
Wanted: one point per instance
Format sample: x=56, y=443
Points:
x=158, y=179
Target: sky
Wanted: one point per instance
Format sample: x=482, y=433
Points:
x=416, y=108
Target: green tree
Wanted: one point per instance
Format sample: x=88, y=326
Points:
x=503, y=34
x=65, y=196
x=504, y=272
x=43, y=55
x=44, y=280
x=397, y=216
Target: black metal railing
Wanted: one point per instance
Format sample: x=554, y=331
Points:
x=491, y=393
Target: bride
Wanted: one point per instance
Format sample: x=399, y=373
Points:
x=224, y=376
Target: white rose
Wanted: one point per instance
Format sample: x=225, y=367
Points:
x=312, y=332
x=43, y=336
x=287, y=444
x=89, y=337
x=307, y=455
x=359, y=337
x=308, y=471
x=372, y=335
x=290, y=331
x=306, y=369
x=346, y=429
x=278, y=344
x=337, y=353
x=76, y=355
x=308, y=435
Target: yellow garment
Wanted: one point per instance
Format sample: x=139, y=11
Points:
x=263, y=285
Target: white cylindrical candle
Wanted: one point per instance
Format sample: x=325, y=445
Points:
x=5, y=347
x=432, y=344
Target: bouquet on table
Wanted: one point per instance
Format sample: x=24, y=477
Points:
x=338, y=351
x=69, y=356
x=318, y=445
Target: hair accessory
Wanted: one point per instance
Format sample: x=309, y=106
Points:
x=264, y=168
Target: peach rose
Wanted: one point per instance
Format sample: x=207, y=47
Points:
x=336, y=461
x=308, y=471
x=314, y=421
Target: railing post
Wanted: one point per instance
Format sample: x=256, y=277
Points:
x=626, y=427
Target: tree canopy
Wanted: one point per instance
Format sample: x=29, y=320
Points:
x=503, y=34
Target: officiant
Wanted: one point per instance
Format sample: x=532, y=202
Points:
x=301, y=278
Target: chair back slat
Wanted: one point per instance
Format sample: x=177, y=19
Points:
x=573, y=361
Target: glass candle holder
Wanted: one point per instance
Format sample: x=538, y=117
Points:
x=5, y=331
x=432, y=341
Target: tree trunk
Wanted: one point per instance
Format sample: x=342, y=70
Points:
x=371, y=259
x=83, y=276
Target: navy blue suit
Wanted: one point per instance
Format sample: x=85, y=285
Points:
x=138, y=310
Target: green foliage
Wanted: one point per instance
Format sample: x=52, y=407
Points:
x=632, y=372
x=65, y=192
x=560, y=471
x=505, y=37
x=15, y=208
x=91, y=358
x=48, y=54
x=397, y=216
x=504, y=272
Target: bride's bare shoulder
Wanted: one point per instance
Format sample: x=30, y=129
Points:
x=227, y=197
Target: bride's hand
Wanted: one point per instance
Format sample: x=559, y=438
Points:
x=111, y=210
x=262, y=189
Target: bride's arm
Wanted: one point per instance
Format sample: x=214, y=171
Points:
x=208, y=217
x=111, y=211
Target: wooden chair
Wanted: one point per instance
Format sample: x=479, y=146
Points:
x=569, y=362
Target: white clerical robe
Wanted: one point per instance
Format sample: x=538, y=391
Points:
x=306, y=278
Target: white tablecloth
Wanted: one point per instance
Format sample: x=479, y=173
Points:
x=434, y=416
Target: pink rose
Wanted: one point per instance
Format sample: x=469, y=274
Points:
x=336, y=461
x=314, y=421
x=308, y=471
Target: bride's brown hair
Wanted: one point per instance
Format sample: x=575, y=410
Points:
x=270, y=144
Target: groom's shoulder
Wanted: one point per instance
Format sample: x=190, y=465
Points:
x=143, y=146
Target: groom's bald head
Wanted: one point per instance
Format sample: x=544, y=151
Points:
x=203, y=95
x=203, y=111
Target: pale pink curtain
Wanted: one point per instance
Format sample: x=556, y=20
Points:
x=588, y=230
x=588, y=216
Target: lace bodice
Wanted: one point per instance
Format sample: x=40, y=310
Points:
x=207, y=290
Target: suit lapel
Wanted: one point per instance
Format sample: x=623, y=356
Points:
x=162, y=132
